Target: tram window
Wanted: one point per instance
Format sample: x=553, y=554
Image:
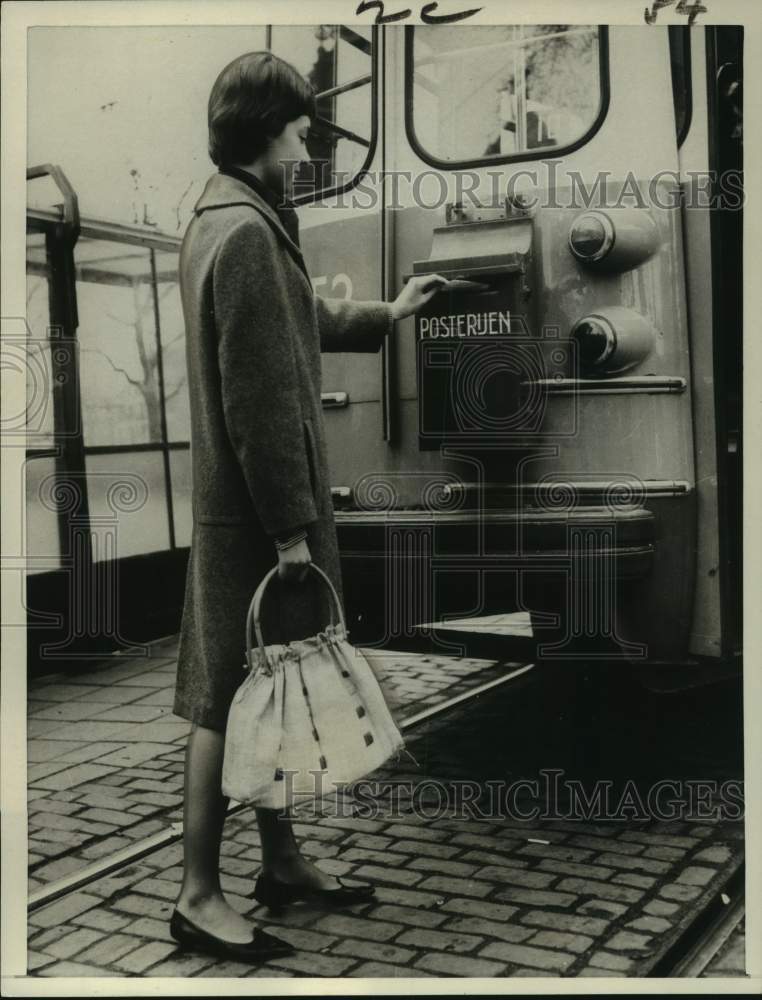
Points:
x=338, y=60
x=41, y=527
x=180, y=470
x=134, y=514
x=502, y=91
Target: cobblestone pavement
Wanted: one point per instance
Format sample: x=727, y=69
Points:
x=455, y=898
x=457, y=895
x=105, y=752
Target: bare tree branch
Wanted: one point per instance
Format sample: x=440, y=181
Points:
x=182, y=199
x=174, y=392
x=146, y=364
x=174, y=340
x=119, y=320
x=95, y=350
x=36, y=286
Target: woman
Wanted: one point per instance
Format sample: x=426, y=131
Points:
x=260, y=489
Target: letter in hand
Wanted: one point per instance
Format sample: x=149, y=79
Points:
x=416, y=293
x=293, y=562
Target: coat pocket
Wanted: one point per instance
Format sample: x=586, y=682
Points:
x=312, y=456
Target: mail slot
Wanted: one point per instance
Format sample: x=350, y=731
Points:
x=477, y=359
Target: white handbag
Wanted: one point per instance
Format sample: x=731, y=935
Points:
x=309, y=717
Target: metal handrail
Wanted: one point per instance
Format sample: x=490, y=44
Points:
x=70, y=202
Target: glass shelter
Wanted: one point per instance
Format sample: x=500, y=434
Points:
x=108, y=450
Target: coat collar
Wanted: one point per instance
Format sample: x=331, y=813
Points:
x=222, y=191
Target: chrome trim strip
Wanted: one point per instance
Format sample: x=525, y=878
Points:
x=590, y=490
x=428, y=518
x=650, y=487
x=632, y=384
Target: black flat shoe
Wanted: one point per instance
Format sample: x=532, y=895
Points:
x=273, y=893
x=261, y=947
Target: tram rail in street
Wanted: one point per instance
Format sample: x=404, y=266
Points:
x=681, y=947
x=694, y=949
x=121, y=859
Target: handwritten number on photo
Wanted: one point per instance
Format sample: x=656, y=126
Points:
x=427, y=13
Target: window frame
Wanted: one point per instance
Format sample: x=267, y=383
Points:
x=680, y=35
x=75, y=463
x=323, y=193
x=545, y=152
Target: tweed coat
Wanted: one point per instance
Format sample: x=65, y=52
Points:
x=254, y=333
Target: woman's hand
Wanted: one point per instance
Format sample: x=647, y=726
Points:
x=416, y=293
x=293, y=562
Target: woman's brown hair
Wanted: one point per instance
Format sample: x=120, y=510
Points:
x=252, y=100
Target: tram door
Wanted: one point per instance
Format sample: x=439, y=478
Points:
x=710, y=144
x=341, y=239
x=344, y=233
x=553, y=472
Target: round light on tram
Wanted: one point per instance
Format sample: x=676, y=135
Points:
x=616, y=240
x=596, y=340
x=591, y=236
x=612, y=339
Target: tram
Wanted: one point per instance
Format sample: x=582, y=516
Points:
x=556, y=435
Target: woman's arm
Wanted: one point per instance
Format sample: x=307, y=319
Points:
x=260, y=395
x=345, y=325
x=283, y=542
x=352, y=326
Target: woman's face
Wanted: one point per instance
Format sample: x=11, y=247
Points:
x=285, y=153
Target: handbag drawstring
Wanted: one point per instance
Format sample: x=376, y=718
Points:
x=332, y=635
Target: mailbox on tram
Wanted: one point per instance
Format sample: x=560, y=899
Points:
x=481, y=367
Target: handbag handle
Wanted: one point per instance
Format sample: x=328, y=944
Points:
x=256, y=603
